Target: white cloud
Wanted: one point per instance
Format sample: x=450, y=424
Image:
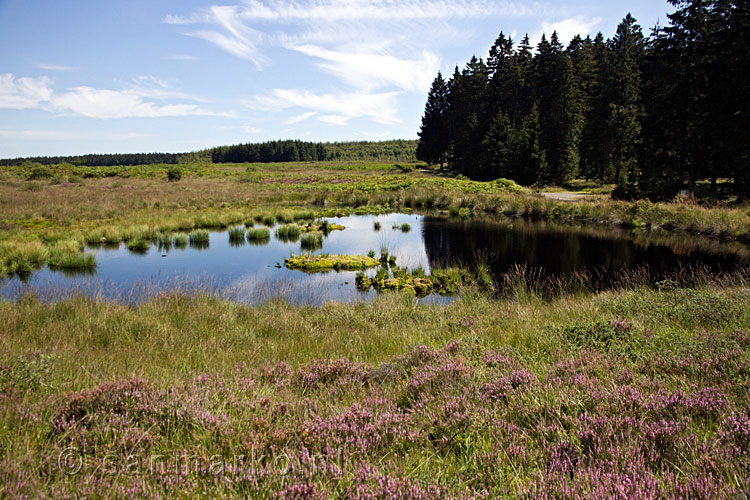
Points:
x=372, y=70
x=135, y=102
x=23, y=93
x=568, y=28
x=54, y=67
x=298, y=119
x=334, y=108
x=98, y=103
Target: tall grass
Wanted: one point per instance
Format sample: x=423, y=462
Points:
x=138, y=246
x=288, y=232
x=311, y=241
x=258, y=235
x=70, y=255
x=22, y=256
x=199, y=238
x=180, y=240
x=237, y=234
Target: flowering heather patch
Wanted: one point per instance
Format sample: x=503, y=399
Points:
x=609, y=409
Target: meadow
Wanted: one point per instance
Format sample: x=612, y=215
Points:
x=642, y=391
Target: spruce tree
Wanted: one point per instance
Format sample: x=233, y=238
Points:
x=433, y=134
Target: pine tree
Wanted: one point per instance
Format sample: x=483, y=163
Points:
x=433, y=135
x=467, y=95
x=624, y=124
x=557, y=110
x=594, y=149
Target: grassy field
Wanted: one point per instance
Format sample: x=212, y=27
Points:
x=638, y=392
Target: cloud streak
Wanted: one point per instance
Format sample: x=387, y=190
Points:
x=54, y=67
x=332, y=108
x=135, y=102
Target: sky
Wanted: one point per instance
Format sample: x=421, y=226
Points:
x=119, y=76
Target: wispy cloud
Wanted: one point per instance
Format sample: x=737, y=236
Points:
x=298, y=119
x=23, y=93
x=333, y=108
x=369, y=71
x=180, y=57
x=347, y=10
x=54, y=67
x=135, y=102
x=371, y=50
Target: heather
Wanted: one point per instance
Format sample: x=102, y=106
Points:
x=639, y=393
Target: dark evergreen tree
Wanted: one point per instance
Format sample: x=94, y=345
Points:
x=625, y=106
x=433, y=134
x=558, y=111
x=467, y=117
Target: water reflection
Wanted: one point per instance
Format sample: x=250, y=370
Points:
x=252, y=271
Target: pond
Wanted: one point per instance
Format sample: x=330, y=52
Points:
x=254, y=273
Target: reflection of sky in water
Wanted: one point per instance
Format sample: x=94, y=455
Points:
x=250, y=273
x=247, y=273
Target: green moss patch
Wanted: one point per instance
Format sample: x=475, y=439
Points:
x=317, y=263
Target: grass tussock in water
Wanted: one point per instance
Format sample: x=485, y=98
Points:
x=138, y=246
x=70, y=255
x=258, y=234
x=199, y=236
x=288, y=232
x=311, y=241
x=642, y=390
x=180, y=240
x=236, y=234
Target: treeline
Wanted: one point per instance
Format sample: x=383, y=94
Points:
x=98, y=160
x=651, y=114
x=395, y=150
x=283, y=151
x=266, y=152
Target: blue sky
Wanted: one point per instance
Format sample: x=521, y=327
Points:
x=81, y=76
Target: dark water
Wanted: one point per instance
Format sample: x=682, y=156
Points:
x=558, y=250
x=254, y=273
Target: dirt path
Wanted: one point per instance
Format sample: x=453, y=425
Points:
x=564, y=196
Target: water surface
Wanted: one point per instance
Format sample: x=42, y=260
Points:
x=254, y=273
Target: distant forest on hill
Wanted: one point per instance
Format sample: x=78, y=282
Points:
x=650, y=114
x=266, y=152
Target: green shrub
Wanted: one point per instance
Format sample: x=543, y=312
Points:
x=40, y=172
x=174, y=174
